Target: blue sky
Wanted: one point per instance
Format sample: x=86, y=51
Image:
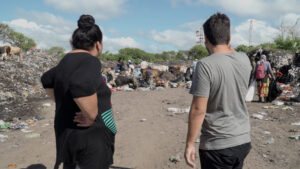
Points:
x=152, y=25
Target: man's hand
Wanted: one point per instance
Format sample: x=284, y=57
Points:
x=189, y=155
x=82, y=120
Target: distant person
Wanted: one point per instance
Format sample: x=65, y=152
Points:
x=120, y=65
x=219, y=86
x=263, y=73
x=84, y=125
x=130, y=67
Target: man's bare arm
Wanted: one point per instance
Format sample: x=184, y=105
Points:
x=196, y=117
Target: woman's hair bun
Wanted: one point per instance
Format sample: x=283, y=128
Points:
x=86, y=22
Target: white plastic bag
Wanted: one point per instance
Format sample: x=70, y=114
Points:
x=251, y=91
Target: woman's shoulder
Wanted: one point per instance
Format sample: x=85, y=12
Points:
x=80, y=57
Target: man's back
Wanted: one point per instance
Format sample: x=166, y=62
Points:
x=223, y=78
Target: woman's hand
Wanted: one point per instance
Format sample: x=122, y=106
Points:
x=82, y=120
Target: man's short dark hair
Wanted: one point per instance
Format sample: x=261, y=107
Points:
x=217, y=29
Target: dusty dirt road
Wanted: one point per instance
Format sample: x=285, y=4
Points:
x=148, y=135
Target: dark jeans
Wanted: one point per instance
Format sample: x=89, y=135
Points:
x=229, y=158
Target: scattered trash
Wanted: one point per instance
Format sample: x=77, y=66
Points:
x=295, y=137
x=26, y=131
x=3, y=137
x=296, y=124
x=266, y=107
x=279, y=103
x=33, y=135
x=4, y=125
x=267, y=132
x=175, y=159
x=12, y=166
x=143, y=89
x=263, y=113
x=143, y=120
x=257, y=116
x=271, y=141
x=288, y=108
x=178, y=110
x=46, y=105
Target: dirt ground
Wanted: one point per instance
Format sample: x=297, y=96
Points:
x=148, y=135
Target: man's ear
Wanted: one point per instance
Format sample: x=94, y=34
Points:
x=229, y=40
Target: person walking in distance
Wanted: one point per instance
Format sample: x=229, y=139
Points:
x=263, y=73
x=219, y=87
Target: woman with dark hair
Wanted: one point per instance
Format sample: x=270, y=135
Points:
x=84, y=125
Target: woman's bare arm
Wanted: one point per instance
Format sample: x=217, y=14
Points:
x=89, y=110
x=50, y=92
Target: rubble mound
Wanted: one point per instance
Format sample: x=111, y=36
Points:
x=20, y=85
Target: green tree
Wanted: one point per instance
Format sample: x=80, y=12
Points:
x=57, y=51
x=287, y=43
x=243, y=48
x=197, y=52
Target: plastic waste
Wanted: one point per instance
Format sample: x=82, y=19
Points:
x=46, y=105
x=295, y=137
x=33, y=135
x=257, y=116
x=271, y=141
x=279, y=103
x=251, y=91
x=12, y=166
x=3, y=137
x=296, y=124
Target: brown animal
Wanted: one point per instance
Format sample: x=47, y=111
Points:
x=14, y=51
x=155, y=73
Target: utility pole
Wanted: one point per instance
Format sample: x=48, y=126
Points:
x=200, y=37
x=251, y=33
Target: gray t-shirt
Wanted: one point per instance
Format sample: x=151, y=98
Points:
x=223, y=78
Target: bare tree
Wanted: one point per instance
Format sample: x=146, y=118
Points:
x=5, y=33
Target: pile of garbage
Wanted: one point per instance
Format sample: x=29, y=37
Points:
x=20, y=82
x=147, y=76
x=286, y=67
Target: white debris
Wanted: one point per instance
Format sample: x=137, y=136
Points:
x=257, y=116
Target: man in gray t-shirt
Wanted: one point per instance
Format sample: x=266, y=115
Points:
x=220, y=83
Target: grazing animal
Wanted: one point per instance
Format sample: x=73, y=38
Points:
x=15, y=51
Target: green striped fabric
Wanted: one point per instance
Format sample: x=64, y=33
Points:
x=109, y=120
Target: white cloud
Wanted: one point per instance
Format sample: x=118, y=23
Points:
x=179, y=39
x=262, y=32
x=100, y=9
x=289, y=19
x=253, y=8
x=45, y=35
x=114, y=44
x=45, y=18
x=195, y=25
